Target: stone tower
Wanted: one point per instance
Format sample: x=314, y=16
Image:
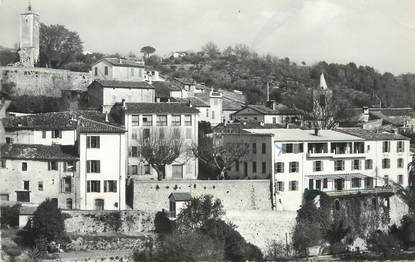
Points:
x=323, y=111
x=321, y=94
x=29, y=37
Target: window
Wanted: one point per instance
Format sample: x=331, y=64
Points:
x=3, y=163
x=69, y=166
x=66, y=186
x=176, y=120
x=176, y=133
x=236, y=165
x=147, y=169
x=92, y=141
x=110, y=186
x=53, y=165
x=369, y=182
x=356, y=182
x=188, y=120
x=317, y=166
x=9, y=140
x=134, y=134
x=274, y=120
x=135, y=120
x=23, y=196
x=386, y=146
x=24, y=166
x=293, y=185
x=280, y=186
x=400, y=147
x=26, y=184
x=294, y=167
x=93, y=166
x=132, y=71
x=339, y=165
x=4, y=197
x=188, y=133
x=325, y=182
x=400, y=179
x=146, y=133
x=311, y=184
x=43, y=134
x=40, y=185
x=264, y=148
x=177, y=171
x=213, y=114
x=69, y=203
x=253, y=148
x=134, y=151
x=264, y=167
x=292, y=148
x=253, y=166
x=400, y=163
x=161, y=120
x=106, y=70
x=207, y=112
x=56, y=133
x=356, y=164
x=279, y=167
x=93, y=186
x=386, y=163
x=386, y=179
x=134, y=170
x=95, y=71
x=368, y=164
x=147, y=120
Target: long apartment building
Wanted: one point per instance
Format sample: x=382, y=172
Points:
x=77, y=159
x=339, y=161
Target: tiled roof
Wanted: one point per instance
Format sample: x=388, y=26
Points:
x=372, y=134
x=179, y=196
x=123, y=84
x=160, y=108
x=236, y=128
x=185, y=81
x=122, y=62
x=67, y=120
x=163, y=88
x=38, y=152
x=394, y=111
x=91, y=126
x=279, y=110
x=194, y=101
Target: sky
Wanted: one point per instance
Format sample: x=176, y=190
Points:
x=378, y=33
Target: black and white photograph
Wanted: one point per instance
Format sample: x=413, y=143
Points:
x=207, y=130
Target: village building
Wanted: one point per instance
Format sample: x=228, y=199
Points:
x=76, y=158
x=121, y=69
x=272, y=114
x=105, y=93
x=341, y=161
x=163, y=121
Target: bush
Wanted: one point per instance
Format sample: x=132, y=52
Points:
x=9, y=216
x=276, y=251
x=47, y=224
x=163, y=225
x=405, y=233
x=384, y=244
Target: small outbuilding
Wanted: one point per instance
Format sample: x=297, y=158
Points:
x=178, y=201
x=26, y=214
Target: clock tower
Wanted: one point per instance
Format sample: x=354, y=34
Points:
x=29, y=37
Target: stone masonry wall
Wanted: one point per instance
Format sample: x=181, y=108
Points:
x=234, y=194
x=132, y=221
x=38, y=81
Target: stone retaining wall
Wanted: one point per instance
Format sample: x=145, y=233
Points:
x=234, y=194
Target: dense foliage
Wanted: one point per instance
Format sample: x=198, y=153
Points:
x=198, y=234
x=47, y=225
x=9, y=215
x=241, y=68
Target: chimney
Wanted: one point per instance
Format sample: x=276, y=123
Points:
x=267, y=91
x=150, y=79
x=261, y=123
x=365, y=111
x=189, y=104
x=123, y=103
x=106, y=117
x=316, y=130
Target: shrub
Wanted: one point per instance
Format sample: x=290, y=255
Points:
x=405, y=233
x=9, y=216
x=47, y=223
x=163, y=225
x=276, y=251
x=383, y=243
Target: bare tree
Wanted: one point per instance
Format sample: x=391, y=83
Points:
x=324, y=112
x=159, y=152
x=211, y=49
x=220, y=156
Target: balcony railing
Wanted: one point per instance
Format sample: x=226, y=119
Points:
x=375, y=190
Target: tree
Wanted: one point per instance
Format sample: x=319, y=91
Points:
x=147, y=50
x=324, y=112
x=159, y=152
x=221, y=157
x=47, y=225
x=211, y=49
x=58, y=46
x=8, y=56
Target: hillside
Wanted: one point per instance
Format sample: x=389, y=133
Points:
x=243, y=69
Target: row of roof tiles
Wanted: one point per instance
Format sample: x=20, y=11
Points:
x=38, y=152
